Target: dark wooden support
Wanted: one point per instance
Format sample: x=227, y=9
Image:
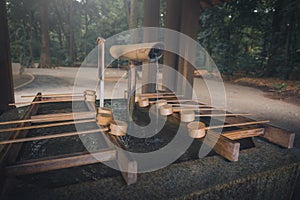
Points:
x=6, y=78
x=273, y=134
x=228, y=149
x=224, y=147
x=127, y=165
x=173, y=16
x=151, y=19
x=189, y=26
x=125, y=162
x=60, y=162
x=279, y=136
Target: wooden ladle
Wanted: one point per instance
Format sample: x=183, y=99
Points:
x=144, y=101
x=104, y=116
x=198, y=129
x=189, y=115
x=168, y=109
x=118, y=128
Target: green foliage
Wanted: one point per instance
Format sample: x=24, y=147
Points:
x=279, y=87
x=239, y=36
x=298, y=85
x=251, y=37
x=90, y=19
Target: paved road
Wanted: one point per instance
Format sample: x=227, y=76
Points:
x=240, y=99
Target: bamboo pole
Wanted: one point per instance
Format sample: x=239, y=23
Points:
x=44, y=137
x=238, y=124
x=49, y=119
x=154, y=94
x=45, y=101
x=46, y=125
x=160, y=96
x=189, y=105
x=51, y=95
x=61, y=115
x=198, y=129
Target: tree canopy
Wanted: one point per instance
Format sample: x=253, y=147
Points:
x=252, y=37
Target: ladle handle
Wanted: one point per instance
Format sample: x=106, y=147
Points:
x=52, y=95
x=46, y=125
x=221, y=115
x=238, y=124
x=190, y=105
x=178, y=109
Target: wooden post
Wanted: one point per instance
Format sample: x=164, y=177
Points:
x=189, y=26
x=151, y=19
x=6, y=79
x=170, y=59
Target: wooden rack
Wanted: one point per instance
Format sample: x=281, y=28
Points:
x=12, y=147
x=228, y=144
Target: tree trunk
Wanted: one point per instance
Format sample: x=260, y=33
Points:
x=127, y=10
x=6, y=79
x=291, y=30
x=45, y=59
x=71, y=43
x=132, y=14
x=86, y=24
x=275, y=41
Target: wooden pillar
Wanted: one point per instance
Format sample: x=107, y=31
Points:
x=151, y=19
x=189, y=25
x=6, y=79
x=173, y=19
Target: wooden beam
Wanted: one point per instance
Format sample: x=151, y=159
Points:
x=6, y=78
x=273, y=134
x=279, y=136
x=60, y=162
x=224, y=147
x=127, y=165
x=243, y=133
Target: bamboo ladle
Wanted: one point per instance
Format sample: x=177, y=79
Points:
x=168, y=109
x=144, y=102
x=118, y=128
x=189, y=115
x=198, y=129
x=104, y=116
